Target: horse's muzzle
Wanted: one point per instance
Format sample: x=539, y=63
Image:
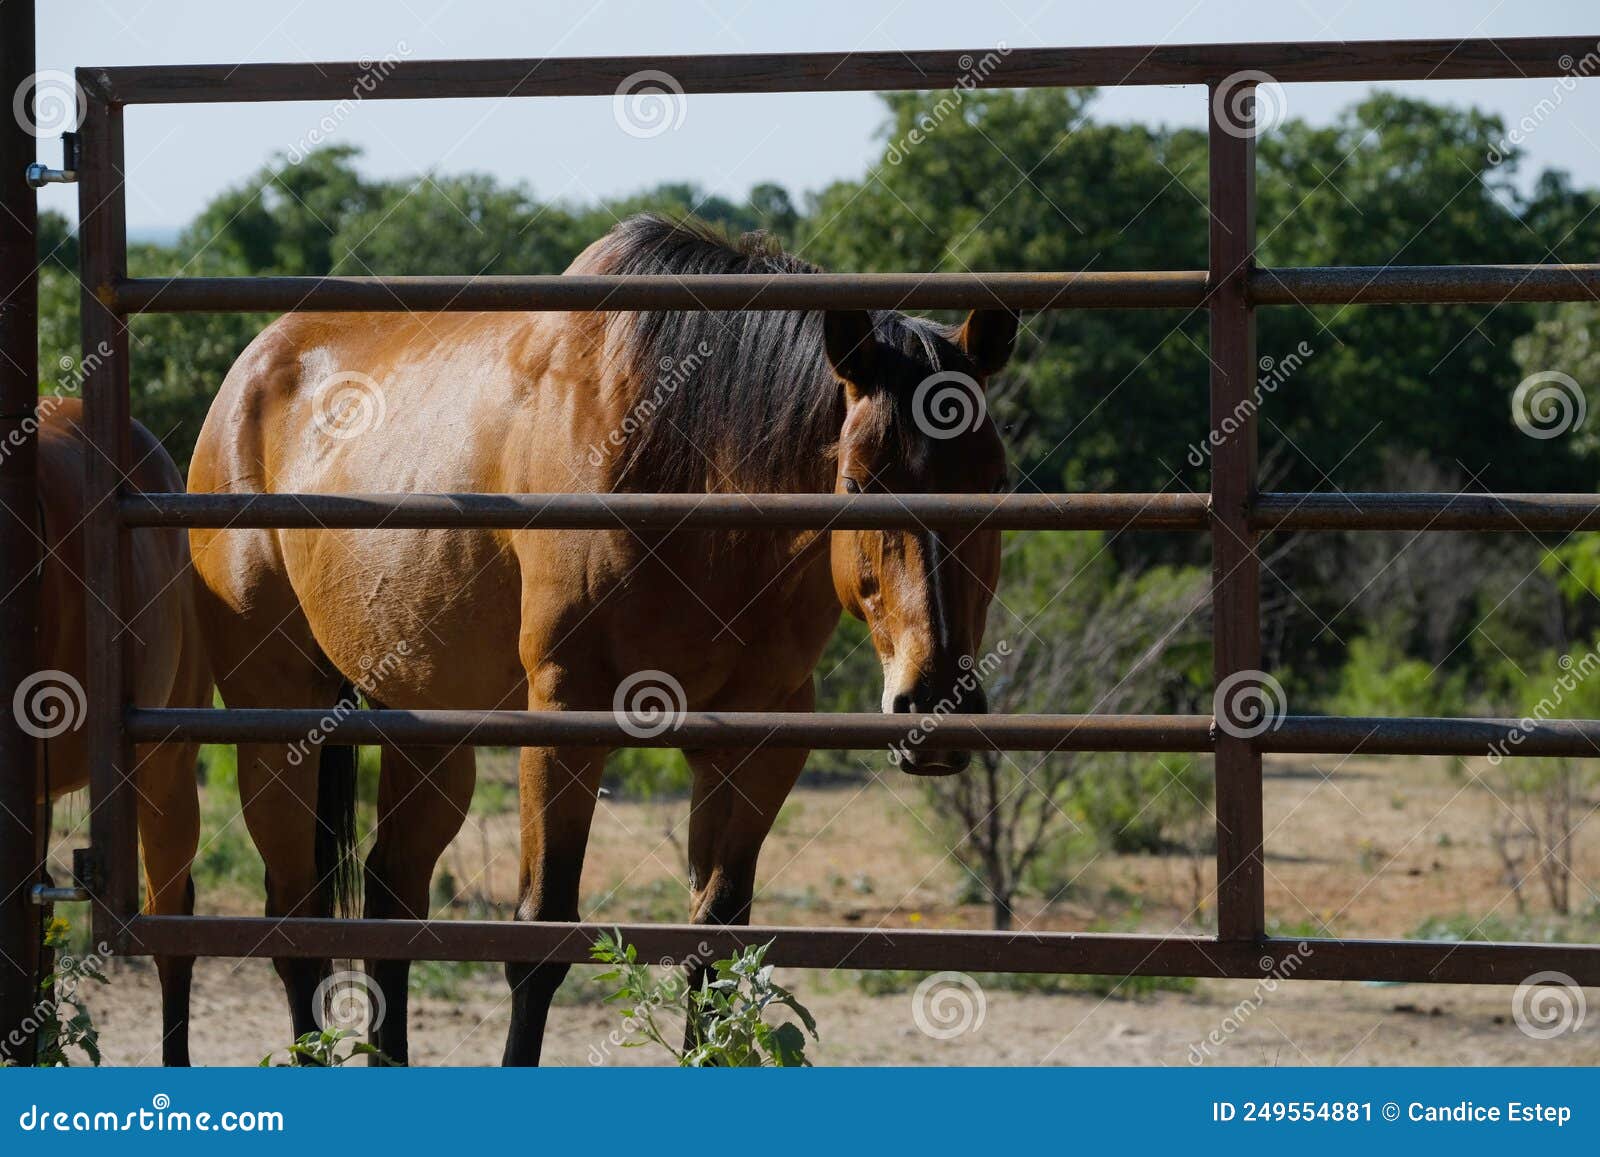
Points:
x=920, y=754
x=932, y=764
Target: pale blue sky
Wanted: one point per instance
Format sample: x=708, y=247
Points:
x=571, y=147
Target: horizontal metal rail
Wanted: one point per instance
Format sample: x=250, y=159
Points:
x=710, y=291
x=671, y=511
x=1121, y=65
x=1417, y=961
x=1286, y=510
x=690, y=729
x=1424, y=510
x=1421, y=284
x=1310, y=734
x=1312, y=285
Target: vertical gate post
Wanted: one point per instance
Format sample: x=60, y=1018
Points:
x=19, y=548
x=1236, y=574
x=103, y=248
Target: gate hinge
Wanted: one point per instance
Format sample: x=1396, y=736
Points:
x=41, y=175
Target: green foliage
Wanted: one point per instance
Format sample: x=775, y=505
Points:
x=647, y=772
x=728, y=1014
x=1144, y=804
x=321, y=1049
x=227, y=858
x=1128, y=642
x=1378, y=680
x=1463, y=927
x=66, y=1026
x=450, y=979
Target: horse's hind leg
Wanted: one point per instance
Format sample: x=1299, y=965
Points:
x=558, y=789
x=423, y=796
x=268, y=658
x=169, y=830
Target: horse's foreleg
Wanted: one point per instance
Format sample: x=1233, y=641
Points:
x=169, y=832
x=558, y=786
x=737, y=795
x=423, y=796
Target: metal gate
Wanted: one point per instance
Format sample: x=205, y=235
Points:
x=1234, y=514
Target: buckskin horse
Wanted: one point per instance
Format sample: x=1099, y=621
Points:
x=169, y=670
x=736, y=402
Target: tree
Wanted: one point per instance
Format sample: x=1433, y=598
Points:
x=1077, y=635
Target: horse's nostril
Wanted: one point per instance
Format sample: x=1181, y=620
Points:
x=900, y=704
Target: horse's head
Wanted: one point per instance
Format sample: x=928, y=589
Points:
x=915, y=422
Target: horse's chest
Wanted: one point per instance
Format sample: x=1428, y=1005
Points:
x=735, y=635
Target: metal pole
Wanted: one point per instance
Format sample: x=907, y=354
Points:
x=19, y=549
x=1236, y=575
x=103, y=244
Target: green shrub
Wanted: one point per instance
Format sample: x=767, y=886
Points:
x=1377, y=679
x=729, y=1013
x=1145, y=804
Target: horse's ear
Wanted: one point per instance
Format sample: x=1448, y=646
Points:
x=848, y=339
x=988, y=337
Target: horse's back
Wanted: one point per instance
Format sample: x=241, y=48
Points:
x=352, y=403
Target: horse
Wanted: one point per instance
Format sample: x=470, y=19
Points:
x=169, y=670
x=597, y=402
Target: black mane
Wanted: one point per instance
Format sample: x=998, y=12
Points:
x=727, y=402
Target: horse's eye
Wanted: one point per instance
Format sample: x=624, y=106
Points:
x=851, y=486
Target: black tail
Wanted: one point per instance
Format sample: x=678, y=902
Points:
x=337, y=867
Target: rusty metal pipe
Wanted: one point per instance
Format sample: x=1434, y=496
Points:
x=1538, y=513
x=671, y=511
x=711, y=291
x=1416, y=961
x=1419, y=284
x=1121, y=65
x=1323, y=735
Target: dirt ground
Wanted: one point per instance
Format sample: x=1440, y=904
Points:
x=1375, y=847
x=238, y=1014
